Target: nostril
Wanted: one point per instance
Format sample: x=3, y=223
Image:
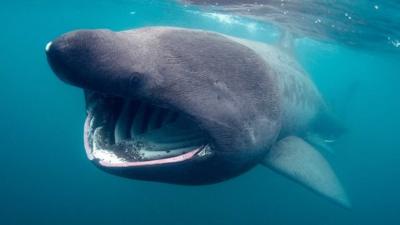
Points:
x=48, y=45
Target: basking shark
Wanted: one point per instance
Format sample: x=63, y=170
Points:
x=195, y=107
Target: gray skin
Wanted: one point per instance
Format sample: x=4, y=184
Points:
x=245, y=96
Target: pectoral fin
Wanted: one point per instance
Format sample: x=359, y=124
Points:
x=298, y=160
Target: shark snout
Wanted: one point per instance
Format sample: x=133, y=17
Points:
x=48, y=45
x=88, y=59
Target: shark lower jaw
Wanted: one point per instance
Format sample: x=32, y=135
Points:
x=120, y=132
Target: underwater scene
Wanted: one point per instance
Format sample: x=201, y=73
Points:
x=214, y=112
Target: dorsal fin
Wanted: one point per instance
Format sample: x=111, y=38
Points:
x=286, y=41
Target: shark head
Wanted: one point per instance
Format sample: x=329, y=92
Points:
x=168, y=104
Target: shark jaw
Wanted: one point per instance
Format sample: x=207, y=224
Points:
x=121, y=132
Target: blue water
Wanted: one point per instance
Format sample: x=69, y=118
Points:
x=45, y=177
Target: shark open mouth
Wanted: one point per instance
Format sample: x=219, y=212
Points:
x=122, y=132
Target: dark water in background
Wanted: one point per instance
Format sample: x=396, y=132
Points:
x=45, y=177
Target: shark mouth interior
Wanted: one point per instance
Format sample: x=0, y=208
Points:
x=125, y=132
